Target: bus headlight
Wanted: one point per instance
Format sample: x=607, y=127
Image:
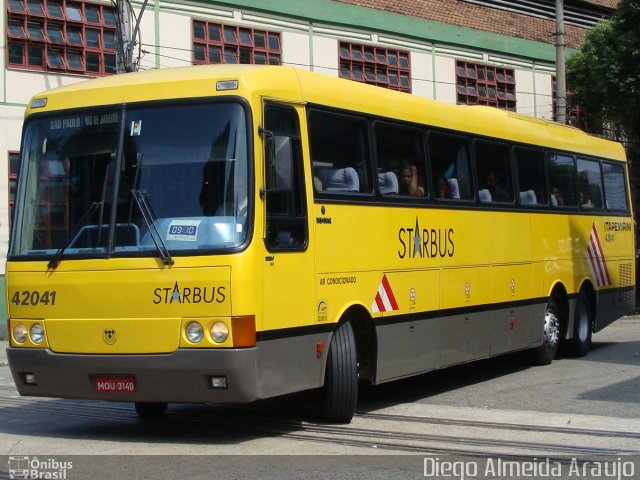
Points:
x=194, y=332
x=20, y=333
x=219, y=332
x=36, y=333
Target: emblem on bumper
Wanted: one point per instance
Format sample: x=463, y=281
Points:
x=109, y=336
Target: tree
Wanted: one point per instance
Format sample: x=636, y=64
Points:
x=604, y=75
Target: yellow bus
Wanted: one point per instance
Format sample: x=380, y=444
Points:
x=233, y=233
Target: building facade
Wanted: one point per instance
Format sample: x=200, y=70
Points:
x=490, y=52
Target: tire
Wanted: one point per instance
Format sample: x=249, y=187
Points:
x=340, y=393
x=545, y=353
x=151, y=410
x=580, y=343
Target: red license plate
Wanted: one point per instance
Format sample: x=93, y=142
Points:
x=115, y=384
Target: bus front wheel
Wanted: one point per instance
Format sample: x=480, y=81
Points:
x=340, y=394
x=580, y=342
x=151, y=410
x=545, y=353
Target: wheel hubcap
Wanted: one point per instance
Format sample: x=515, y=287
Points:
x=551, y=329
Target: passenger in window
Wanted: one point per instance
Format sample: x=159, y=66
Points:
x=442, y=190
x=585, y=201
x=498, y=192
x=447, y=188
x=410, y=183
x=556, y=197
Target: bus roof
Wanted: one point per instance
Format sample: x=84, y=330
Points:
x=300, y=85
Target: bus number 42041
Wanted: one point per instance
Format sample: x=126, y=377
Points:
x=34, y=298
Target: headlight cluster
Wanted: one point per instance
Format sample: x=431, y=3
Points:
x=35, y=333
x=218, y=331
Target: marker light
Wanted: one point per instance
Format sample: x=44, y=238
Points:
x=219, y=332
x=194, y=332
x=36, y=333
x=226, y=85
x=38, y=103
x=20, y=333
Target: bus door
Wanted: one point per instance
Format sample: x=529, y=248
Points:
x=288, y=280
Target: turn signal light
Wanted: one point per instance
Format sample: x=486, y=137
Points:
x=243, y=330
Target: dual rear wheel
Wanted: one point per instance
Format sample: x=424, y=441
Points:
x=545, y=353
x=579, y=343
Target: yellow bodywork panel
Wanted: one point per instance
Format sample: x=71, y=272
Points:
x=113, y=335
x=132, y=311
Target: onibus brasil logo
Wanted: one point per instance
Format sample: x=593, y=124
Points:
x=35, y=468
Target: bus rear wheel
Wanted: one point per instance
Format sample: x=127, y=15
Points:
x=340, y=394
x=545, y=353
x=580, y=342
x=151, y=410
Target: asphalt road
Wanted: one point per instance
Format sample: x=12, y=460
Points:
x=586, y=408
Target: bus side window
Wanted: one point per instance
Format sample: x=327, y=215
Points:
x=286, y=210
x=562, y=173
x=531, y=176
x=450, y=167
x=615, y=186
x=590, y=184
x=339, y=153
x=399, y=150
x=494, y=174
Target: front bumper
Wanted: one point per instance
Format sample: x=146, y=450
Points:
x=180, y=376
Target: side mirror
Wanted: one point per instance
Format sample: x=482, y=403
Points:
x=279, y=163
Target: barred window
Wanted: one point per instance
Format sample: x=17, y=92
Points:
x=384, y=67
x=62, y=36
x=218, y=43
x=485, y=85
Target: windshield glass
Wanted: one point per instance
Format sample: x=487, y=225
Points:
x=182, y=176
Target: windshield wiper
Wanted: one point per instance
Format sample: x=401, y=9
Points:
x=149, y=220
x=55, y=260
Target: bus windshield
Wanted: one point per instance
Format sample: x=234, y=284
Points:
x=122, y=181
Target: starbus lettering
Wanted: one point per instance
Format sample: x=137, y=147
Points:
x=416, y=242
x=175, y=294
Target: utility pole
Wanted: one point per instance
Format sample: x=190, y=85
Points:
x=124, y=40
x=561, y=77
x=126, y=35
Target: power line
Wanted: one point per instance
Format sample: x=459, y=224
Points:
x=306, y=65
